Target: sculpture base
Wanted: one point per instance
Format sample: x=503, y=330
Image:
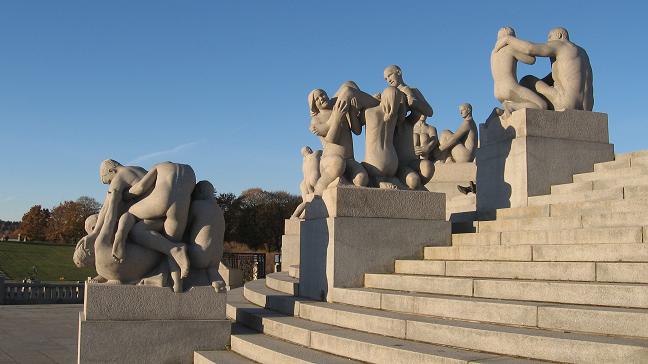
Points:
x=142, y=324
x=532, y=150
x=352, y=230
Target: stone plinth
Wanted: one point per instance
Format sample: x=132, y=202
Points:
x=144, y=324
x=533, y=149
x=351, y=230
x=290, y=244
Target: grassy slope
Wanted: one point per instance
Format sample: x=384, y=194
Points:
x=52, y=261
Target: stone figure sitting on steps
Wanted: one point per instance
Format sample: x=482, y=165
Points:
x=512, y=95
x=461, y=145
x=569, y=85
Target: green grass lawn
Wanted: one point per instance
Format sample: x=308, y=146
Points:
x=52, y=261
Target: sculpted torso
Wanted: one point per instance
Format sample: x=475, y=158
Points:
x=572, y=75
x=380, y=153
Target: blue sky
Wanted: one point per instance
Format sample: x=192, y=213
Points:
x=222, y=85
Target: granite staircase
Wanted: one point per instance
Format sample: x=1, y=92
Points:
x=564, y=279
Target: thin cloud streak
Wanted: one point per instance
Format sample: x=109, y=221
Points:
x=167, y=152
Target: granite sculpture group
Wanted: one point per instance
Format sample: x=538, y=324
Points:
x=158, y=227
x=401, y=148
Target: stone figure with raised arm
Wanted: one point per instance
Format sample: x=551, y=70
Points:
x=205, y=232
x=461, y=145
x=330, y=121
x=409, y=155
x=311, y=171
x=381, y=159
x=159, y=218
x=569, y=85
x=507, y=90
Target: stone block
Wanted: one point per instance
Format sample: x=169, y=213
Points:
x=535, y=223
x=291, y=226
x=426, y=284
x=492, y=238
x=336, y=252
x=535, y=149
x=128, y=302
x=572, y=187
x=609, y=174
x=622, y=272
x=219, y=357
x=426, y=267
x=615, y=164
x=523, y=212
x=356, y=296
x=150, y=341
x=599, y=294
x=558, y=271
x=583, y=196
x=490, y=252
x=383, y=203
x=233, y=277
x=611, y=235
x=591, y=253
x=600, y=320
x=290, y=250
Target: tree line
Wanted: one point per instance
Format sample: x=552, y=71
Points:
x=254, y=218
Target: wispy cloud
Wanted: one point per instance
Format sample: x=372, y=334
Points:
x=8, y=198
x=168, y=152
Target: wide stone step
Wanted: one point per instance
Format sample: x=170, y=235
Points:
x=266, y=349
x=582, y=318
x=611, y=165
x=542, y=252
x=567, y=271
x=514, y=341
x=357, y=345
x=598, y=207
x=536, y=223
x=585, y=236
x=258, y=293
x=220, y=357
x=639, y=154
x=611, y=174
x=283, y=282
x=595, y=195
x=572, y=187
x=584, y=293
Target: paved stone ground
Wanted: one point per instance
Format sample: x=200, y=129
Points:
x=39, y=333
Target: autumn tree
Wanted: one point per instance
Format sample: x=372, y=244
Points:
x=67, y=220
x=34, y=223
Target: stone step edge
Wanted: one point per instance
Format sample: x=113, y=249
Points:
x=255, y=320
x=494, y=331
x=282, y=282
x=220, y=357
x=597, y=265
x=375, y=298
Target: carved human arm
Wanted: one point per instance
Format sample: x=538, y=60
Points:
x=144, y=185
x=433, y=142
x=334, y=121
x=451, y=141
x=528, y=48
x=416, y=101
x=525, y=58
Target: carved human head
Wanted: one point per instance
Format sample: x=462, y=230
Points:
x=505, y=31
x=83, y=255
x=393, y=75
x=465, y=110
x=204, y=190
x=306, y=151
x=107, y=170
x=558, y=33
x=317, y=100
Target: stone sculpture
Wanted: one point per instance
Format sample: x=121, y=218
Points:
x=425, y=138
x=330, y=120
x=381, y=159
x=461, y=145
x=409, y=156
x=507, y=90
x=310, y=169
x=140, y=229
x=569, y=85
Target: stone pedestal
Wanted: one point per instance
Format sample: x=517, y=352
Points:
x=290, y=244
x=144, y=324
x=351, y=231
x=534, y=149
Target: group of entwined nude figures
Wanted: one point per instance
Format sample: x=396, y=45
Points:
x=401, y=148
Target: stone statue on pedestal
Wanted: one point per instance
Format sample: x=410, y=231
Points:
x=139, y=232
x=569, y=85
